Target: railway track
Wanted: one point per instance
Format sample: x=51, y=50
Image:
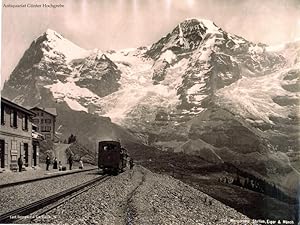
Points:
x=45, y=205
x=43, y=178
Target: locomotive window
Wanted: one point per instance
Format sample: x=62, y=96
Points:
x=109, y=147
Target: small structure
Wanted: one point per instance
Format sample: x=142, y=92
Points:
x=45, y=119
x=15, y=135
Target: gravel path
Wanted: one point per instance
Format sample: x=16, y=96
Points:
x=21, y=195
x=142, y=197
x=10, y=177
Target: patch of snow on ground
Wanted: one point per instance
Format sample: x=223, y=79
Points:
x=205, y=55
x=181, y=41
x=173, y=77
x=136, y=88
x=70, y=90
x=128, y=57
x=74, y=105
x=236, y=39
x=122, y=102
x=58, y=43
x=196, y=88
x=169, y=56
x=199, y=98
x=256, y=49
x=252, y=96
x=212, y=28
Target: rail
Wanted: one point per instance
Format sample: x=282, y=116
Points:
x=43, y=178
x=20, y=214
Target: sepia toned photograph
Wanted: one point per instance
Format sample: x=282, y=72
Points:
x=141, y=112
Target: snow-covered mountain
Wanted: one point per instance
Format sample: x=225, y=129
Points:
x=198, y=90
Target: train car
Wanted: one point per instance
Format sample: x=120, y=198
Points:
x=112, y=158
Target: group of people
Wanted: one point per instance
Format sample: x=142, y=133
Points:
x=59, y=165
x=128, y=159
x=55, y=164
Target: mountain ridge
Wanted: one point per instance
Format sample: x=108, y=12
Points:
x=191, y=86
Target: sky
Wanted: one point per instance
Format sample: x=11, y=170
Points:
x=117, y=24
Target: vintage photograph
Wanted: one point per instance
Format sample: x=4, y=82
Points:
x=142, y=112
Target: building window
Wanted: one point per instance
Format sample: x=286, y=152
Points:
x=14, y=118
x=25, y=122
x=14, y=150
x=42, y=114
x=14, y=146
x=47, y=121
x=2, y=114
x=45, y=128
x=36, y=121
x=42, y=121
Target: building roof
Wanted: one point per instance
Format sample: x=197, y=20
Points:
x=51, y=111
x=17, y=106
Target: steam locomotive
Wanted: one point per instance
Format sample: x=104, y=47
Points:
x=112, y=157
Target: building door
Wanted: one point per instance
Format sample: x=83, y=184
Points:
x=2, y=154
x=26, y=153
x=34, y=154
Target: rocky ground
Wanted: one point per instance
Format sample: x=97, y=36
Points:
x=139, y=196
x=204, y=176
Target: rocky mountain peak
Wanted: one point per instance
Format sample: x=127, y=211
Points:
x=186, y=37
x=55, y=45
x=52, y=34
x=192, y=31
x=197, y=25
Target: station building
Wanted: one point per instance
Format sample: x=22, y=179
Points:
x=16, y=136
x=45, y=119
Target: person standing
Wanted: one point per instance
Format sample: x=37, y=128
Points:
x=70, y=161
x=55, y=164
x=81, y=164
x=47, y=162
x=59, y=166
x=20, y=163
x=131, y=164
